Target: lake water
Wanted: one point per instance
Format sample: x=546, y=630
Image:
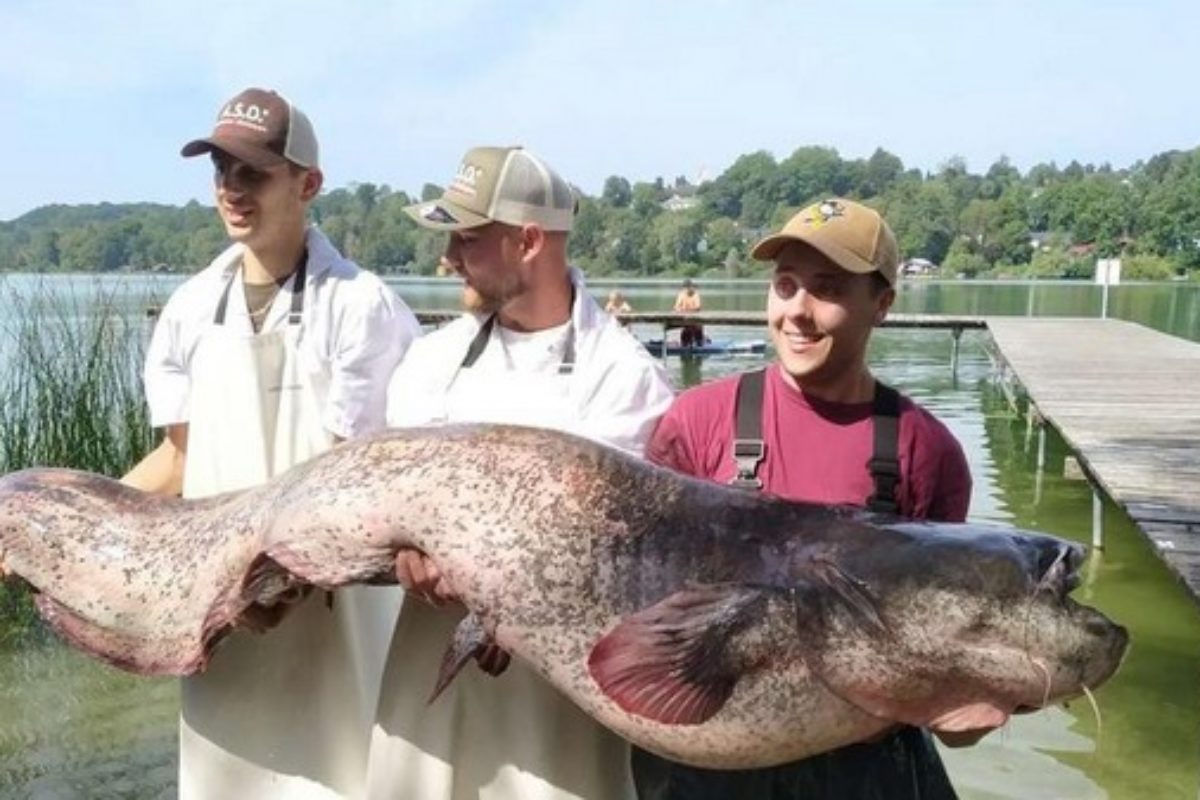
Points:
x=71, y=728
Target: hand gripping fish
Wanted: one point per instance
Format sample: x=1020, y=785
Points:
x=713, y=626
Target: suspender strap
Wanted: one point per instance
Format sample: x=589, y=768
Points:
x=885, y=461
x=478, y=343
x=484, y=335
x=748, y=446
x=297, y=309
x=567, y=365
x=223, y=303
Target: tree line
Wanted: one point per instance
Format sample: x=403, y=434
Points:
x=1047, y=222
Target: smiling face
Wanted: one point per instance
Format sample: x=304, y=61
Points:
x=489, y=260
x=262, y=206
x=820, y=317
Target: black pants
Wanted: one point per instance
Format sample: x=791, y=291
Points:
x=902, y=766
x=691, y=335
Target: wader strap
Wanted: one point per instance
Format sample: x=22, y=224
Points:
x=884, y=465
x=297, y=308
x=748, y=447
x=885, y=461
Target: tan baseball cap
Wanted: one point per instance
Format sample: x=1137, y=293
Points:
x=500, y=184
x=261, y=128
x=849, y=234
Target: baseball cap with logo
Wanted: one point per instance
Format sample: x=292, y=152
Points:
x=849, y=234
x=500, y=184
x=261, y=128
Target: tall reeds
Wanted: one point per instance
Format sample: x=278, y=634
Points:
x=70, y=388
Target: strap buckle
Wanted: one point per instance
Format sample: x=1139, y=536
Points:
x=747, y=455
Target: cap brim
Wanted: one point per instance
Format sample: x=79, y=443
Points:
x=769, y=248
x=441, y=215
x=257, y=157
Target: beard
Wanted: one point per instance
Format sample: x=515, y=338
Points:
x=487, y=294
x=477, y=303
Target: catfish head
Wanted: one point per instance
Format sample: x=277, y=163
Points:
x=956, y=625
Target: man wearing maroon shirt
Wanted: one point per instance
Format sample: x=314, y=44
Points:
x=817, y=426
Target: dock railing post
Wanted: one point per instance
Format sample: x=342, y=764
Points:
x=1097, y=519
x=956, y=333
x=1108, y=272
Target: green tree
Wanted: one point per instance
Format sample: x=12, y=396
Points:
x=617, y=192
x=807, y=175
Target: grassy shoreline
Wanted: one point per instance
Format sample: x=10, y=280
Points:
x=70, y=395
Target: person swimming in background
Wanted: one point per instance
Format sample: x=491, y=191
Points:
x=617, y=304
x=688, y=301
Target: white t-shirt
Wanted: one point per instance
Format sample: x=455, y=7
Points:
x=354, y=327
x=617, y=390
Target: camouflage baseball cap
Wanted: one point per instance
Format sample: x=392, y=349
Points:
x=849, y=234
x=500, y=184
x=261, y=128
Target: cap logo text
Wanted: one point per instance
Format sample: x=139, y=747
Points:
x=248, y=114
x=466, y=179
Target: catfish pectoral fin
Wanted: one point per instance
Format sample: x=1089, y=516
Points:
x=470, y=640
x=854, y=594
x=671, y=662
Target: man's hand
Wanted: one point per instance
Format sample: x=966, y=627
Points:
x=260, y=618
x=420, y=577
x=493, y=659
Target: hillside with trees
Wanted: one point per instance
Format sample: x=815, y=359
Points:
x=1047, y=222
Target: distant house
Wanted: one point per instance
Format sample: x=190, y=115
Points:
x=678, y=202
x=1040, y=240
x=1082, y=249
x=915, y=267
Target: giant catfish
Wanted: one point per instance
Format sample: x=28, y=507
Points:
x=711, y=625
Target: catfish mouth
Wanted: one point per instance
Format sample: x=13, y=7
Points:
x=1058, y=568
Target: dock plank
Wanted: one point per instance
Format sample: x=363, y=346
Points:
x=1126, y=399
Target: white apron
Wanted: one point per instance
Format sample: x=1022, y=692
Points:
x=287, y=713
x=512, y=737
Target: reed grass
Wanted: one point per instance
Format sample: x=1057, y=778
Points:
x=70, y=391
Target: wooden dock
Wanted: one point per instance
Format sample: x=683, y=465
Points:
x=1126, y=399
x=671, y=319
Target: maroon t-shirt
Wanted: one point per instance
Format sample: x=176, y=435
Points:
x=816, y=451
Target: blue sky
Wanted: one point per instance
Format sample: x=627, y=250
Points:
x=97, y=98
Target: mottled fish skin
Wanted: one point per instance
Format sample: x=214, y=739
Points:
x=714, y=626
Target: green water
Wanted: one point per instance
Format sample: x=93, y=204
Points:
x=70, y=727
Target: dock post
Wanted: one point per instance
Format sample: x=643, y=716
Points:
x=1097, y=519
x=1041, y=463
x=956, y=333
